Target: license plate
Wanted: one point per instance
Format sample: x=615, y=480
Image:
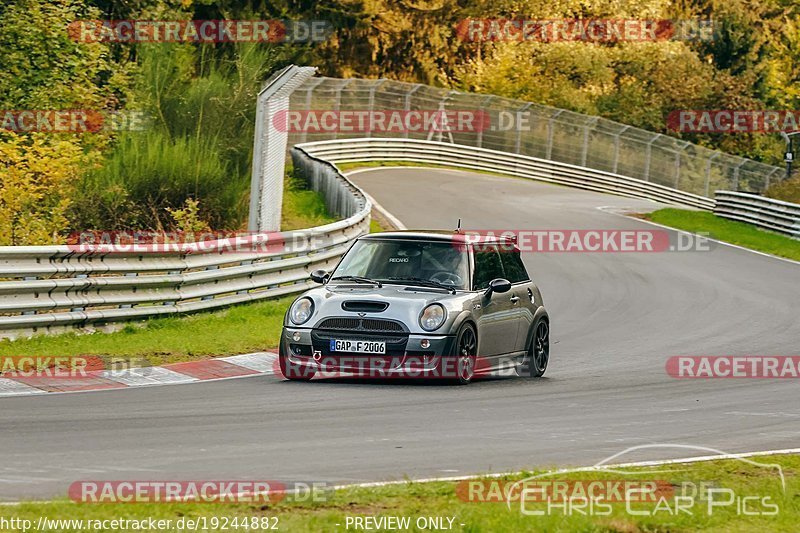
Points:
x=339, y=345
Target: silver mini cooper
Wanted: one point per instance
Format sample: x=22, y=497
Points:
x=423, y=305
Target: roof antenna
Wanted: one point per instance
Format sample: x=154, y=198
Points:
x=458, y=229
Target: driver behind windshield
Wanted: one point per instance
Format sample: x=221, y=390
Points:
x=438, y=262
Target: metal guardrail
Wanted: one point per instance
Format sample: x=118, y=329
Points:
x=47, y=288
x=774, y=215
x=535, y=130
x=470, y=157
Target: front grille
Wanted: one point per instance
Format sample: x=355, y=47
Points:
x=326, y=336
x=370, y=325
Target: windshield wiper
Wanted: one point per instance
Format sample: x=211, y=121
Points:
x=424, y=282
x=358, y=279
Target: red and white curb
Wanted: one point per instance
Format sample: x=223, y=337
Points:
x=236, y=366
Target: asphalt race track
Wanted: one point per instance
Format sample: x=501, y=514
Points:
x=616, y=319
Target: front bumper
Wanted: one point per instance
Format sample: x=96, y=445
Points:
x=405, y=355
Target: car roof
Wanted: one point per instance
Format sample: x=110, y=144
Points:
x=443, y=236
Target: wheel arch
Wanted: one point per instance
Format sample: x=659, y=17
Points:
x=538, y=316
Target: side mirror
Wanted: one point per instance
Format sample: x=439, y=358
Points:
x=498, y=285
x=319, y=276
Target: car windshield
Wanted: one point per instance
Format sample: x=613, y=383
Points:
x=407, y=261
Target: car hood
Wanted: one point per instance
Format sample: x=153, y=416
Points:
x=404, y=303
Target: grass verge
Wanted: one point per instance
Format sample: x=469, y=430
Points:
x=303, y=209
x=752, y=499
x=725, y=230
x=236, y=330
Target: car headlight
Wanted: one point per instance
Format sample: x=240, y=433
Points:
x=432, y=317
x=301, y=311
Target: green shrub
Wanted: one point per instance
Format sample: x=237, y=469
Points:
x=786, y=190
x=148, y=174
x=198, y=144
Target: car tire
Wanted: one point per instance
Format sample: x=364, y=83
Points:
x=466, y=353
x=294, y=372
x=538, y=351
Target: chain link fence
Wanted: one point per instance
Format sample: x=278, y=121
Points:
x=539, y=131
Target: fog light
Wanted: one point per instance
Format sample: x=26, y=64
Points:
x=296, y=336
x=425, y=343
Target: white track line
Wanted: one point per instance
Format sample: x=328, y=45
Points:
x=698, y=459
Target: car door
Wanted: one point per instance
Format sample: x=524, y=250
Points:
x=497, y=322
x=520, y=293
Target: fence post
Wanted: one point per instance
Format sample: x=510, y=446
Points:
x=708, y=172
x=769, y=177
x=269, y=148
x=311, y=86
x=736, y=175
x=337, y=106
x=407, y=104
x=484, y=104
x=550, y=128
x=649, y=156
x=518, y=144
x=616, y=148
x=372, y=90
x=585, y=149
x=678, y=153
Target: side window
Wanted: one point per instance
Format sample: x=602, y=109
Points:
x=512, y=264
x=487, y=266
